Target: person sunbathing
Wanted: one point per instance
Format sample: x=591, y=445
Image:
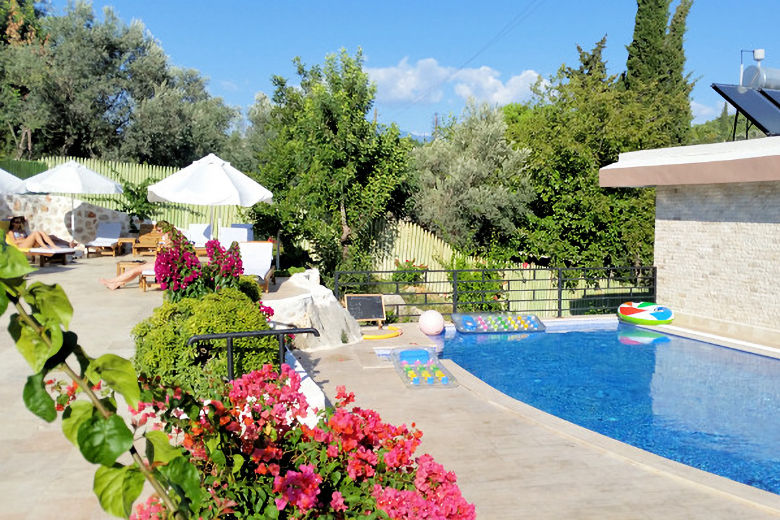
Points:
x=136, y=271
x=18, y=236
x=129, y=274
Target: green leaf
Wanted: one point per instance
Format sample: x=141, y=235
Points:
x=69, y=346
x=238, y=461
x=160, y=447
x=73, y=416
x=37, y=399
x=119, y=374
x=185, y=477
x=219, y=458
x=271, y=511
x=215, y=453
x=50, y=302
x=3, y=301
x=117, y=488
x=30, y=344
x=13, y=263
x=101, y=440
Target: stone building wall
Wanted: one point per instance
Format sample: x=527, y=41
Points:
x=51, y=214
x=717, y=249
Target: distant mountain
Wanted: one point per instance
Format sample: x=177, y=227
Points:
x=422, y=138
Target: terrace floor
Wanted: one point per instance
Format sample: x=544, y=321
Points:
x=511, y=460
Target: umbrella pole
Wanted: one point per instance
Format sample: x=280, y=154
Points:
x=211, y=223
x=72, y=220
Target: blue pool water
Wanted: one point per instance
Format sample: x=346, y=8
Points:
x=707, y=406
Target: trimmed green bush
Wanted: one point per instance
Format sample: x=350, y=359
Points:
x=161, y=341
x=249, y=286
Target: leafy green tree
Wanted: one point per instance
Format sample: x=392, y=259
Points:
x=333, y=172
x=95, y=73
x=20, y=22
x=471, y=183
x=178, y=123
x=245, y=145
x=580, y=121
x=21, y=71
x=656, y=62
x=720, y=129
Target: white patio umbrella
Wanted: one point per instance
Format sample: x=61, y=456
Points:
x=209, y=181
x=10, y=183
x=71, y=177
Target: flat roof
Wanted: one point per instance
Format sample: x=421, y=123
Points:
x=753, y=160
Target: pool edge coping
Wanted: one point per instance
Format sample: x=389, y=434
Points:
x=753, y=496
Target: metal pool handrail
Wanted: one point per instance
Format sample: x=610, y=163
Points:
x=229, y=336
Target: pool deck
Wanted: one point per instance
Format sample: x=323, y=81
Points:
x=511, y=460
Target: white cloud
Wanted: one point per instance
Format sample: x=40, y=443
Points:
x=228, y=86
x=426, y=81
x=484, y=84
x=702, y=113
x=405, y=83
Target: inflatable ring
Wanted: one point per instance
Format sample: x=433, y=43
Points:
x=645, y=313
x=394, y=332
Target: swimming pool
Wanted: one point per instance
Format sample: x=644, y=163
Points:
x=707, y=406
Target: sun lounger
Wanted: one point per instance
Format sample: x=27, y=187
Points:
x=147, y=280
x=148, y=242
x=198, y=234
x=250, y=231
x=45, y=255
x=257, y=259
x=228, y=235
x=107, y=240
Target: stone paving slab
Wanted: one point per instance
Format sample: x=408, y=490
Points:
x=511, y=460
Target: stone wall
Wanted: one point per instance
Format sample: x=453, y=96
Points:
x=52, y=214
x=717, y=249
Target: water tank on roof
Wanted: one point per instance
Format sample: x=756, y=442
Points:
x=761, y=77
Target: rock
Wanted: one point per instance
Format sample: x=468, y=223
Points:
x=315, y=306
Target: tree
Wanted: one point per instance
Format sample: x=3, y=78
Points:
x=246, y=144
x=472, y=189
x=178, y=123
x=333, y=173
x=580, y=121
x=19, y=22
x=720, y=129
x=21, y=73
x=656, y=62
x=95, y=73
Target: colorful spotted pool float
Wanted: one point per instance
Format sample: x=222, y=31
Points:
x=496, y=322
x=645, y=313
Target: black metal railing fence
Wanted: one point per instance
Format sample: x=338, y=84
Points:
x=546, y=292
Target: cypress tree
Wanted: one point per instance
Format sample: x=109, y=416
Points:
x=656, y=63
x=646, y=53
x=676, y=83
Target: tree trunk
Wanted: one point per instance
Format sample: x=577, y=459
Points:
x=346, y=231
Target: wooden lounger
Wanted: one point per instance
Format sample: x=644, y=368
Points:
x=44, y=255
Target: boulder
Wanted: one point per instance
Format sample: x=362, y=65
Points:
x=314, y=306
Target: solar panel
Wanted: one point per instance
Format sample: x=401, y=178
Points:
x=772, y=94
x=759, y=109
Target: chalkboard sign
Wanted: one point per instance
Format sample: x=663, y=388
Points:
x=365, y=307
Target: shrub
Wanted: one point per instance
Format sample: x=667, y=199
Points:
x=479, y=286
x=256, y=458
x=161, y=340
x=249, y=286
x=408, y=272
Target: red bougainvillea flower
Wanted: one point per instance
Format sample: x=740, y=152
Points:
x=299, y=489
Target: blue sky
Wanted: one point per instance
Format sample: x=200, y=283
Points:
x=429, y=57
